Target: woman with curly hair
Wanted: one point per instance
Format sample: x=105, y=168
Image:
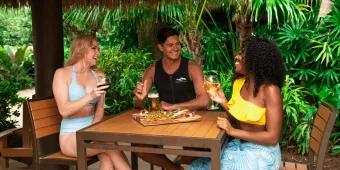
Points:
x=255, y=110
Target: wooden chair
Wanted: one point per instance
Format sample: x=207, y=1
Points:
x=16, y=143
x=19, y=153
x=322, y=127
x=46, y=120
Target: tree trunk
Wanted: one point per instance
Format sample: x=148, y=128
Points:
x=192, y=40
x=244, y=27
x=147, y=36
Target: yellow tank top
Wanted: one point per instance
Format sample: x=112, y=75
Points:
x=244, y=110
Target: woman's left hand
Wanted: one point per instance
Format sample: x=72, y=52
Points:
x=224, y=123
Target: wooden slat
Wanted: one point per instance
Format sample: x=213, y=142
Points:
x=17, y=152
x=59, y=155
x=41, y=104
x=314, y=145
x=289, y=166
x=317, y=134
x=324, y=112
x=319, y=123
x=42, y=132
x=300, y=166
x=192, y=129
x=48, y=121
x=46, y=112
x=206, y=125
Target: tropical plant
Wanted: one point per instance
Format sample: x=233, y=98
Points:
x=15, y=26
x=215, y=50
x=246, y=12
x=13, y=77
x=124, y=69
x=298, y=115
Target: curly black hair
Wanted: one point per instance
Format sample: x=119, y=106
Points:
x=263, y=60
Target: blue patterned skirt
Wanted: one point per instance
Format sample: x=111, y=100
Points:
x=244, y=156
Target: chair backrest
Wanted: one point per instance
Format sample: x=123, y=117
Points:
x=45, y=119
x=322, y=128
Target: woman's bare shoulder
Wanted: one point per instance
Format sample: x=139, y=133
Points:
x=271, y=92
x=63, y=71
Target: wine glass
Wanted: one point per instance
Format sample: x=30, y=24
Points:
x=212, y=85
x=104, y=81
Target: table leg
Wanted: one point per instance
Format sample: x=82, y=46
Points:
x=134, y=161
x=215, y=158
x=81, y=154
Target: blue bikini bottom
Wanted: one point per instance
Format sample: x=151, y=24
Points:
x=71, y=125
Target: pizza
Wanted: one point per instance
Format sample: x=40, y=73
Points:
x=163, y=117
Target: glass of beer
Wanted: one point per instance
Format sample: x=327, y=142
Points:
x=212, y=85
x=154, y=102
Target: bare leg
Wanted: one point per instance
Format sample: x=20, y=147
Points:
x=105, y=162
x=159, y=160
x=117, y=159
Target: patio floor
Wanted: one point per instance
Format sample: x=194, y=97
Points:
x=142, y=165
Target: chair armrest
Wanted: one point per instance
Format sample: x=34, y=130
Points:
x=7, y=132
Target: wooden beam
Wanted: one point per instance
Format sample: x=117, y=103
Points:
x=47, y=31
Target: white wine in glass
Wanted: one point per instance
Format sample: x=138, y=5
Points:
x=212, y=85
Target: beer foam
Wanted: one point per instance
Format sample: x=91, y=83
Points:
x=153, y=95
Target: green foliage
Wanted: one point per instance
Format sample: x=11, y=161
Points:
x=15, y=26
x=18, y=62
x=215, y=50
x=13, y=77
x=124, y=69
x=290, y=11
x=226, y=81
x=298, y=116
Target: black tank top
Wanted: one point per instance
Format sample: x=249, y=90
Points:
x=175, y=88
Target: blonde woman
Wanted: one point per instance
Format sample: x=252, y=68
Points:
x=80, y=102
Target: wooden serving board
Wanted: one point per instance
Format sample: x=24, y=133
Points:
x=164, y=120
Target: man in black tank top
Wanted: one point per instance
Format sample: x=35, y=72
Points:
x=174, y=88
x=178, y=81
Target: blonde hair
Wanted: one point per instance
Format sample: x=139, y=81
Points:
x=79, y=47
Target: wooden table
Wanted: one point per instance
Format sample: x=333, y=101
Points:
x=120, y=131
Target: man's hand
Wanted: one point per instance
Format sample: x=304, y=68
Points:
x=140, y=90
x=168, y=107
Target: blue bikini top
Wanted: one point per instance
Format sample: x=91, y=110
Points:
x=75, y=91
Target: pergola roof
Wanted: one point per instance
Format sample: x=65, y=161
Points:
x=80, y=3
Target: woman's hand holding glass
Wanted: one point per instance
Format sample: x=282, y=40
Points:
x=103, y=84
x=217, y=96
x=212, y=87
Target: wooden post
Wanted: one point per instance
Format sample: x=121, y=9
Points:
x=47, y=30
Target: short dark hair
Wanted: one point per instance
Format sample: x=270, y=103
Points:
x=164, y=33
x=263, y=60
